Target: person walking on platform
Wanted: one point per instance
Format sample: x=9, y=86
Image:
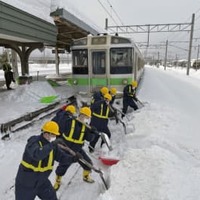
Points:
x=99, y=95
x=100, y=113
x=129, y=97
x=37, y=164
x=74, y=136
x=8, y=74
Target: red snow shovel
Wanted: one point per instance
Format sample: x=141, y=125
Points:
x=108, y=161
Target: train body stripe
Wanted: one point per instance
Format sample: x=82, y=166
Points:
x=99, y=81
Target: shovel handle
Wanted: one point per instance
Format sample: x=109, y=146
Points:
x=73, y=153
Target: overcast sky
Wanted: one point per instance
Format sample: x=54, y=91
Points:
x=138, y=12
x=130, y=12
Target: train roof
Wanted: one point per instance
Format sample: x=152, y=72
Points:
x=101, y=40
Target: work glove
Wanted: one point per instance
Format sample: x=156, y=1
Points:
x=107, y=102
x=94, y=130
x=54, y=144
x=100, y=134
x=58, y=141
x=77, y=157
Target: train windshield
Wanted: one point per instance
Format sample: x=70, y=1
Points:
x=121, y=60
x=99, y=62
x=80, y=61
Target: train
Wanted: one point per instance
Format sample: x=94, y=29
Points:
x=104, y=60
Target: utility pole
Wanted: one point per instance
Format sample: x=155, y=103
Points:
x=148, y=36
x=158, y=56
x=106, y=24
x=197, y=56
x=165, y=63
x=176, y=60
x=190, y=44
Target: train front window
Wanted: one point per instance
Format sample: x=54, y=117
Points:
x=99, y=62
x=80, y=61
x=121, y=61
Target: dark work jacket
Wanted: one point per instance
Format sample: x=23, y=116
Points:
x=113, y=99
x=35, y=153
x=6, y=67
x=129, y=92
x=100, y=114
x=97, y=96
x=61, y=118
x=76, y=133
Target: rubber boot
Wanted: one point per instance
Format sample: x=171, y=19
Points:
x=57, y=183
x=86, y=176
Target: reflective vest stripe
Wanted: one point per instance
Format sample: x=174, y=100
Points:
x=130, y=91
x=39, y=168
x=70, y=137
x=101, y=113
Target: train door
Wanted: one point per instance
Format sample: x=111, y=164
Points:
x=99, y=70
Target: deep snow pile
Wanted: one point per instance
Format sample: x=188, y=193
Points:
x=23, y=99
x=161, y=158
x=160, y=155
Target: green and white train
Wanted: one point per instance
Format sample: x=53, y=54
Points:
x=104, y=60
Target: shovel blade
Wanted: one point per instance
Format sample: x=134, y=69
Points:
x=106, y=139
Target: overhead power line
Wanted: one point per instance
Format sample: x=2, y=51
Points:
x=115, y=12
x=107, y=12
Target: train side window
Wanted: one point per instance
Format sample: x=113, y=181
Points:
x=80, y=61
x=99, y=62
x=120, y=60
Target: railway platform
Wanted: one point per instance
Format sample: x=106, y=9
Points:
x=23, y=104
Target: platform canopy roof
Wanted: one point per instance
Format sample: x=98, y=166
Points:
x=70, y=27
x=19, y=26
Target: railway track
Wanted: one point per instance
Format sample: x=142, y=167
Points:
x=32, y=117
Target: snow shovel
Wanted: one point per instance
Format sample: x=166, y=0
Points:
x=48, y=99
x=103, y=136
x=108, y=161
x=124, y=126
x=106, y=140
x=140, y=102
x=122, y=113
x=99, y=171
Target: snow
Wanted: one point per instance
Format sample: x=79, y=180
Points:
x=27, y=97
x=159, y=157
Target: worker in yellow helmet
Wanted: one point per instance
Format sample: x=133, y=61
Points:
x=100, y=114
x=63, y=115
x=37, y=164
x=74, y=137
x=99, y=95
x=113, y=92
x=129, y=97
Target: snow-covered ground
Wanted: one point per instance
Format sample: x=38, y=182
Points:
x=159, y=157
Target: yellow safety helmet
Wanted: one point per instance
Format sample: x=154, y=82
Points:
x=104, y=90
x=86, y=111
x=51, y=127
x=108, y=96
x=71, y=109
x=113, y=91
x=134, y=83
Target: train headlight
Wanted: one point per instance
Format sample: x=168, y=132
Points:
x=125, y=82
x=75, y=82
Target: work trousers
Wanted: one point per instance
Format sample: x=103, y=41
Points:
x=62, y=168
x=129, y=102
x=44, y=191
